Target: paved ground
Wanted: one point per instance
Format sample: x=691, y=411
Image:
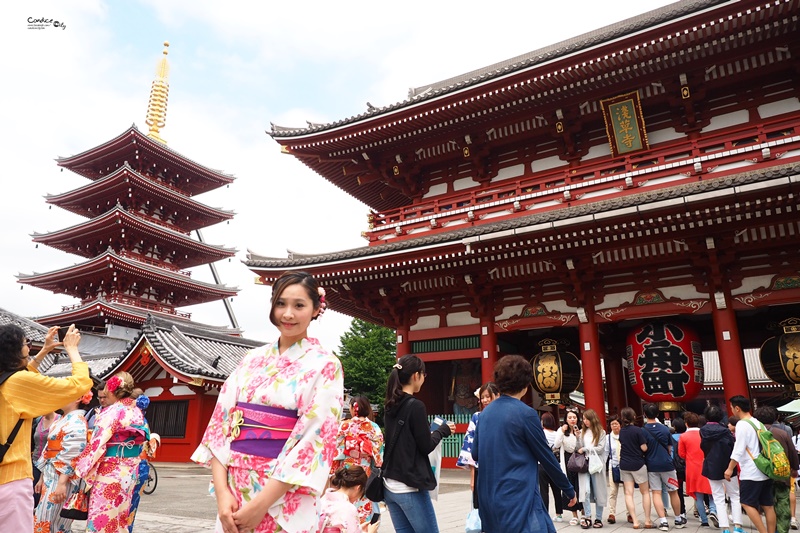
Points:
x=181, y=504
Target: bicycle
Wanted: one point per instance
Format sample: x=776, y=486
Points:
x=152, y=480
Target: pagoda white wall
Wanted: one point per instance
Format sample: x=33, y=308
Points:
x=546, y=164
x=513, y=171
x=181, y=390
x=436, y=190
x=464, y=183
x=425, y=322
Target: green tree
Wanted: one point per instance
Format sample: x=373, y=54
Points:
x=367, y=353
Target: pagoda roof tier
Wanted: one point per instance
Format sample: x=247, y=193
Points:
x=187, y=350
x=100, y=311
x=649, y=231
x=112, y=228
x=136, y=148
x=110, y=270
x=711, y=44
x=135, y=192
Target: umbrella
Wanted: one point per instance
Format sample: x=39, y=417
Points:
x=791, y=407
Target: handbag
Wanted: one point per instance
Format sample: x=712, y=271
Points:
x=578, y=463
x=473, y=522
x=595, y=464
x=77, y=506
x=616, y=475
x=373, y=490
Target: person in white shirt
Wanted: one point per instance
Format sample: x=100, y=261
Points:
x=755, y=488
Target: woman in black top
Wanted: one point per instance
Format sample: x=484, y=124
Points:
x=407, y=474
x=632, y=467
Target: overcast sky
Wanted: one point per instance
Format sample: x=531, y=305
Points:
x=235, y=67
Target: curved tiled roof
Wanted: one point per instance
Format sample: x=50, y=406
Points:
x=515, y=64
x=255, y=261
x=33, y=330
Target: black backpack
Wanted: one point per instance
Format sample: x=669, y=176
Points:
x=4, y=447
x=677, y=461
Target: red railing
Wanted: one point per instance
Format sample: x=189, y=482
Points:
x=154, y=262
x=550, y=189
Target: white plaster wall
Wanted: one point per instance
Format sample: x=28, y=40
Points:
x=751, y=284
x=436, y=190
x=462, y=318
x=463, y=183
x=663, y=135
x=612, y=301
x=546, y=163
x=601, y=192
x=729, y=119
x=510, y=172
x=426, y=322
x=684, y=292
x=599, y=150
x=154, y=392
x=666, y=179
x=181, y=390
x=778, y=108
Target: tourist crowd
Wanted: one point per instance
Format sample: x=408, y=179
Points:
x=282, y=459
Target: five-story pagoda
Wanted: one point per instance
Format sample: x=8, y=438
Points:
x=137, y=239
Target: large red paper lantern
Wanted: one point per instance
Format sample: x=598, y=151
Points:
x=780, y=356
x=665, y=362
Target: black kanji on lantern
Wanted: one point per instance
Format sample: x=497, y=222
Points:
x=662, y=362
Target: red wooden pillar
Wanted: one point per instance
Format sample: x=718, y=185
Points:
x=729, y=348
x=590, y=361
x=488, y=349
x=615, y=380
x=403, y=342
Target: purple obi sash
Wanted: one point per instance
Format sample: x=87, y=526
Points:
x=260, y=430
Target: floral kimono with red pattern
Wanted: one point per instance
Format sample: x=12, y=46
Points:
x=307, y=379
x=360, y=443
x=109, y=466
x=65, y=442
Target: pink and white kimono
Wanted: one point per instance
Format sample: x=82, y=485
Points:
x=109, y=465
x=300, y=390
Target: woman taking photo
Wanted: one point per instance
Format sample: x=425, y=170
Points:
x=64, y=443
x=407, y=473
x=592, y=487
x=633, y=445
x=360, y=443
x=271, y=480
x=567, y=441
x=25, y=395
x=110, y=462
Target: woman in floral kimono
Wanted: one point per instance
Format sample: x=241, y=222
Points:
x=360, y=443
x=271, y=439
x=65, y=442
x=109, y=463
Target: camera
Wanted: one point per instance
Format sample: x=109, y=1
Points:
x=62, y=332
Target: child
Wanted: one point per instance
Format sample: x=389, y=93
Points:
x=338, y=514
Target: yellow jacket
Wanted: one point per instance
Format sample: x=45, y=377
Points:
x=27, y=395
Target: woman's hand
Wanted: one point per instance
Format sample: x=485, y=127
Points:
x=60, y=494
x=226, y=506
x=564, y=428
x=249, y=517
x=38, y=487
x=452, y=427
x=50, y=340
x=71, y=340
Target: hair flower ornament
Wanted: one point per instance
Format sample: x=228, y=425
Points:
x=142, y=402
x=86, y=398
x=113, y=384
x=322, y=304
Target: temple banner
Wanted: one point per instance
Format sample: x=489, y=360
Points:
x=665, y=362
x=624, y=124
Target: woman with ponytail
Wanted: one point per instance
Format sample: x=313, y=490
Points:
x=407, y=473
x=360, y=443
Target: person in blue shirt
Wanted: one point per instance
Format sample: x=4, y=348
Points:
x=508, y=488
x=660, y=468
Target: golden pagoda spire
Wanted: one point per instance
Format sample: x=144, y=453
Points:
x=157, y=106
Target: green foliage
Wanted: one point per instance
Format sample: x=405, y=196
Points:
x=367, y=353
